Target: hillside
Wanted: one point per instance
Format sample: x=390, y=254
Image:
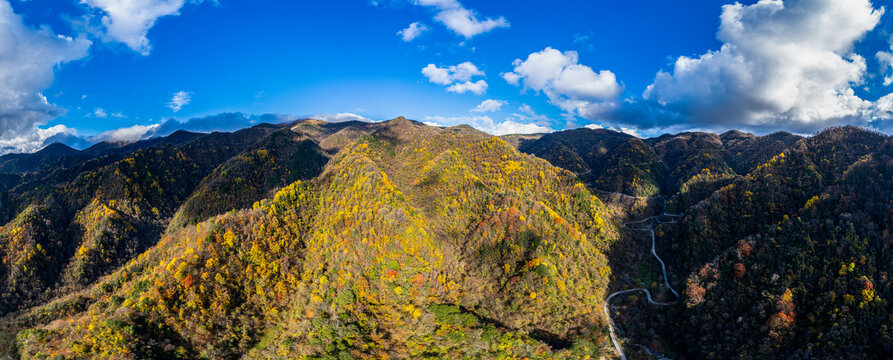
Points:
x=805, y=272
x=18, y=163
x=401, y=240
x=413, y=241
x=685, y=167
x=68, y=226
x=784, y=249
x=788, y=261
x=608, y=160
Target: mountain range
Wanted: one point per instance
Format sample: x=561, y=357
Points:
x=397, y=239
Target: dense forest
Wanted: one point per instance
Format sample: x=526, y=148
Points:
x=396, y=239
x=313, y=240
x=784, y=250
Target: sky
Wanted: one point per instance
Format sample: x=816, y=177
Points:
x=83, y=71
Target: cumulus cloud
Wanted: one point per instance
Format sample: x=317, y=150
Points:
x=478, y=87
x=180, y=99
x=35, y=140
x=461, y=20
x=100, y=113
x=512, y=78
x=458, y=77
x=886, y=61
x=413, y=31
x=447, y=75
x=630, y=131
x=130, y=133
x=625, y=130
x=129, y=21
x=340, y=117
x=782, y=64
x=527, y=114
x=884, y=106
x=488, y=125
x=512, y=127
x=525, y=122
x=489, y=105
x=28, y=58
x=594, y=126
x=573, y=87
x=63, y=135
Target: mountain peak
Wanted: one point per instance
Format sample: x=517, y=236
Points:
x=57, y=147
x=736, y=135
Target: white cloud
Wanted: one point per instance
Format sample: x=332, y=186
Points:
x=129, y=21
x=884, y=106
x=512, y=127
x=33, y=141
x=630, y=131
x=594, y=126
x=460, y=20
x=488, y=125
x=573, y=87
x=413, y=31
x=886, y=61
x=100, y=113
x=28, y=58
x=526, y=109
x=527, y=114
x=180, y=99
x=512, y=78
x=478, y=87
x=489, y=105
x=625, y=130
x=437, y=75
x=340, y=117
x=131, y=133
x=459, y=77
x=782, y=64
x=447, y=75
x=49, y=132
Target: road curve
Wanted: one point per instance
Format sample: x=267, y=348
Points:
x=651, y=221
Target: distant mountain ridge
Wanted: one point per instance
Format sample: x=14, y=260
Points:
x=690, y=165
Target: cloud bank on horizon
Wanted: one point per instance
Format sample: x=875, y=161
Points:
x=795, y=65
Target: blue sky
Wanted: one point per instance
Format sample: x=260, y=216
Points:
x=644, y=67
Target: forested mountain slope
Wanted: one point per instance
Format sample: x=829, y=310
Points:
x=414, y=241
x=797, y=254
x=784, y=250
x=68, y=226
x=686, y=167
x=609, y=160
x=16, y=163
x=401, y=240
